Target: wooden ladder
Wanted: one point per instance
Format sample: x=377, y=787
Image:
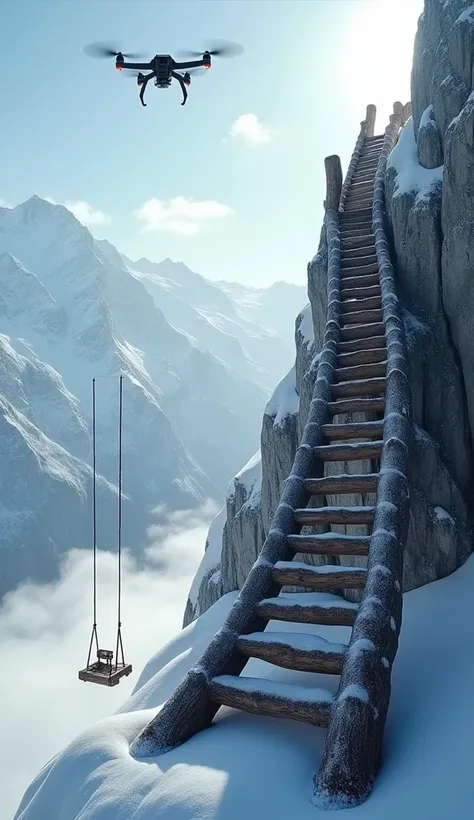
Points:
x=362, y=370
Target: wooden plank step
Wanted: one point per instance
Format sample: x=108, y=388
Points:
x=344, y=484
x=359, y=387
x=298, y=574
x=357, y=451
x=272, y=698
x=354, y=304
x=360, y=293
x=359, y=222
x=367, y=356
x=353, y=242
x=362, y=317
x=372, y=404
x=359, y=270
x=362, y=331
x=294, y=650
x=376, y=138
x=358, y=186
x=359, y=252
x=366, y=343
x=361, y=175
x=350, y=260
x=360, y=281
x=360, y=190
x=367, y=162
x=345, y=217
x=311, y=516
x=369, y=153
x=329, y=543
x=356, y=206
x=354, y=429
x=360, y=371
x=309, y=608
x=357, y=197
x=356, y=233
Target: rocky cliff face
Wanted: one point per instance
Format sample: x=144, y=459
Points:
x=430, y=207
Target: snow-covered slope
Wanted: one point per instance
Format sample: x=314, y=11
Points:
x=71, y=310
x=256, y=767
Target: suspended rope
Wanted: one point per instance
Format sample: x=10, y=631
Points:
x=119, y=527
x=103, y=671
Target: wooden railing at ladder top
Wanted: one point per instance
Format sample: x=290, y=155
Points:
x=356, y=728
x=354, y=740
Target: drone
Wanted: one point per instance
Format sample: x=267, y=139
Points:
x=162, y=67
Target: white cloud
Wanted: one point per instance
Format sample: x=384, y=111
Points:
x=248, y=128
x=86, y=214
x=4, y=204
x=180, y=215
x=45, y=631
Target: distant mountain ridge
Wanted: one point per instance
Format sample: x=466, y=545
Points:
x=73, y=308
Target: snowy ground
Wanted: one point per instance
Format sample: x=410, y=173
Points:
x=245, y=766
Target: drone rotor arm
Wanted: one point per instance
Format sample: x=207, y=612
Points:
x=189, y=64
x=137, y=66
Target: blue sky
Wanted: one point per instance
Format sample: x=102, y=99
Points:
x=237, y=201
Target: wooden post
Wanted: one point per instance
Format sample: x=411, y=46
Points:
x=370, y=120
x=406, y=112
x=333, y=182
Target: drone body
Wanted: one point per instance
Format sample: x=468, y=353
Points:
x=163, y=68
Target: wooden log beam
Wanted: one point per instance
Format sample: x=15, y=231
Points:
x=371, y=370
x=312, y=516
x=370, y=116
x=330, y=577
x=362, y=331
x=336, y=614
x=357, y=405
x=343, y=484
x=349, y=452
x=360, y=387
x=256, y=696
x=302, y=652
x=333, y=168
x=354, y=429
x=329, y=543
x=376, y=354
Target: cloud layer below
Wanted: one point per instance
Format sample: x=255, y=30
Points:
x=45, y=631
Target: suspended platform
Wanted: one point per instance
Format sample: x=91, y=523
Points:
x=103, y=671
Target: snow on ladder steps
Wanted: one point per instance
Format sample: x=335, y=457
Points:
x=276, y=689
x=309, y=599
x=309, y=607
x=326, y=569
x=301, y=641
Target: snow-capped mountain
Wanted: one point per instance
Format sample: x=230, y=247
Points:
x=73, y=309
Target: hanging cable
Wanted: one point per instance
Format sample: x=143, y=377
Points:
x=94, y=528
x=119, y=614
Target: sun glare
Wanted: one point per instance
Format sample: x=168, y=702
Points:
x=377, y=52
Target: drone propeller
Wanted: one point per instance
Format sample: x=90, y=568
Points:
x=220, y=48
x=99, y=50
